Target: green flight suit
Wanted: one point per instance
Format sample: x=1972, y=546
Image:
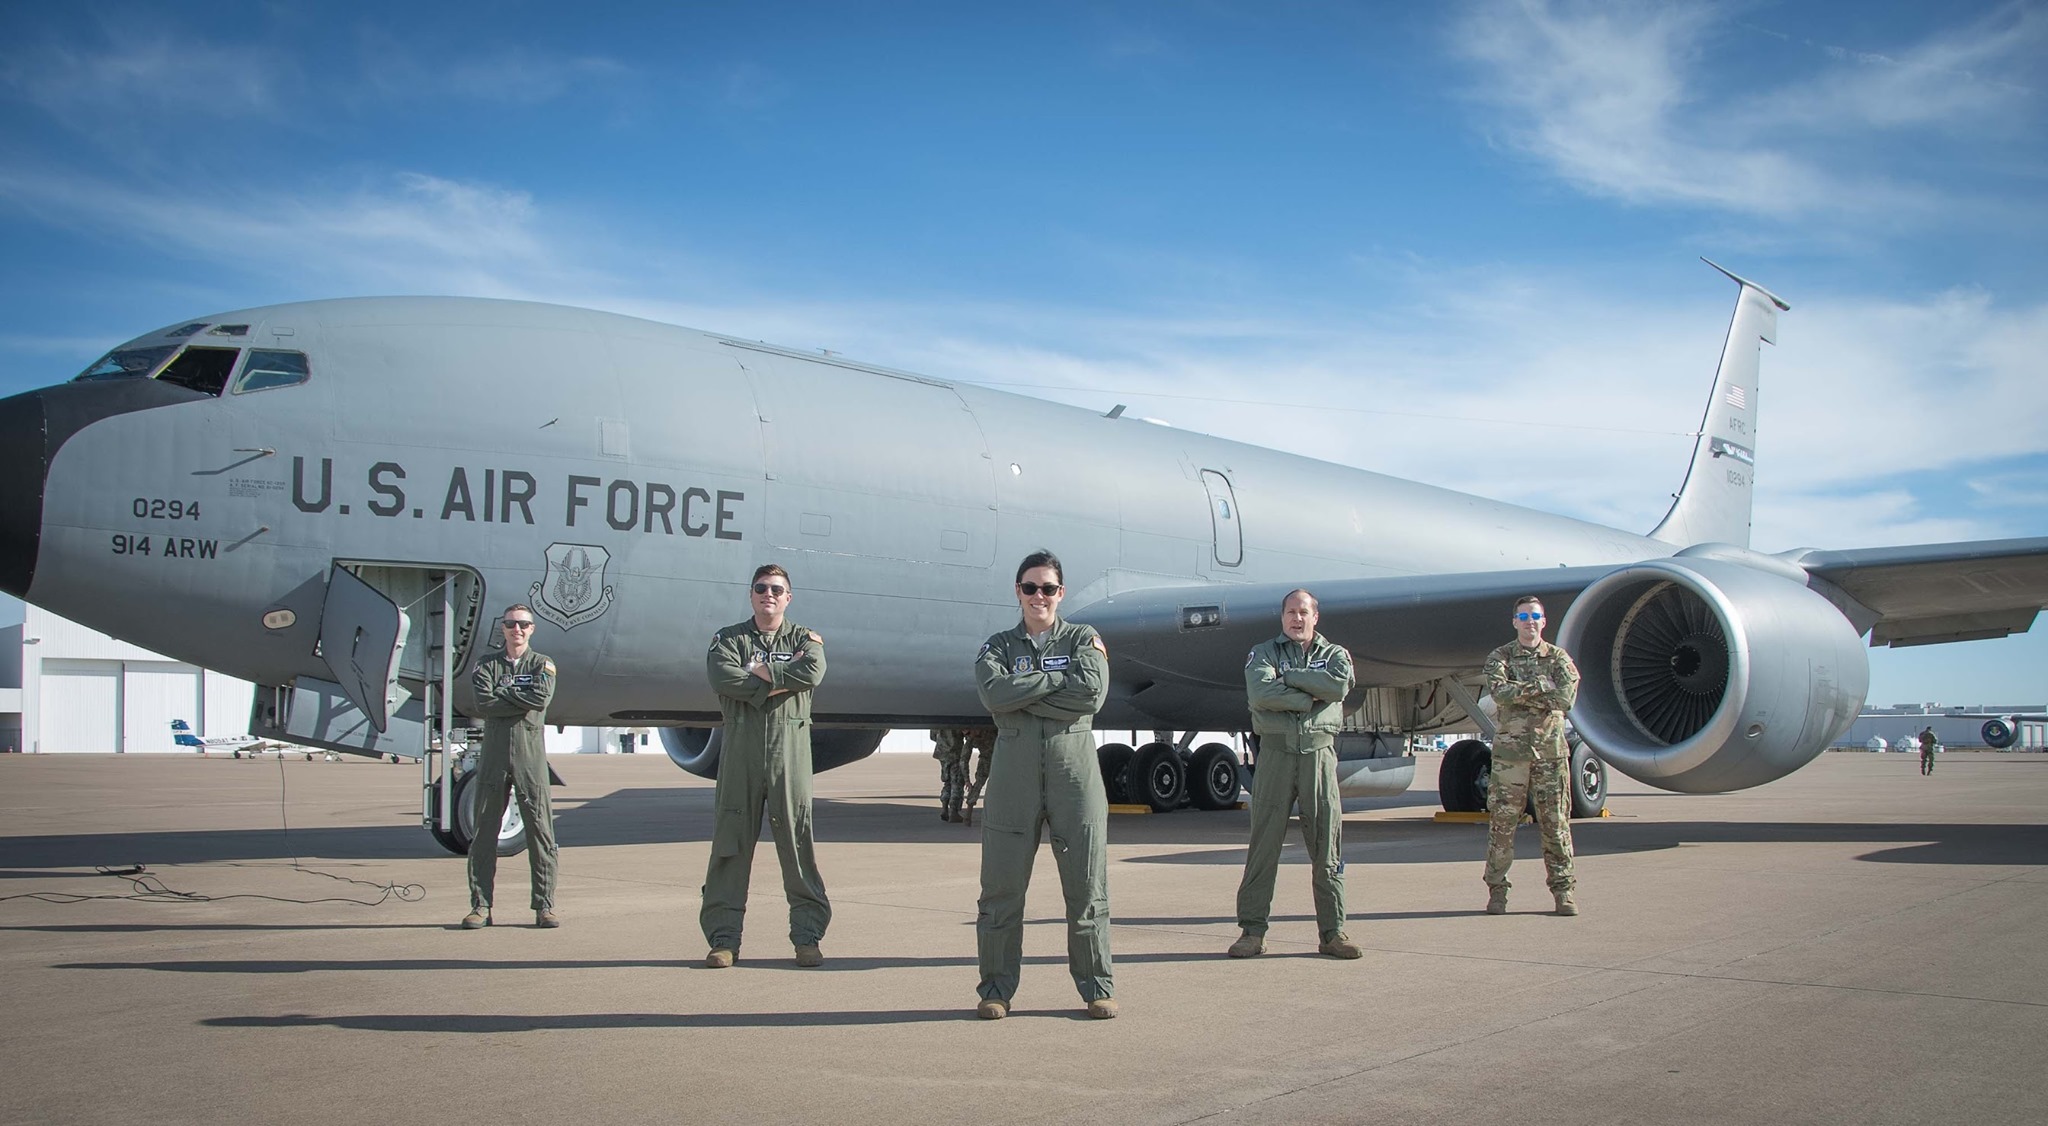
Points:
x=765, y=763
x=512, y=700
x=1296, y=693
x=1043, y=698
x=1532, y=688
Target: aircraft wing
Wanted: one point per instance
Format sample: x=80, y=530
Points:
x=1400, y=629
x=1930, y=593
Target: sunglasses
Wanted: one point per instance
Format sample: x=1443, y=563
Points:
x=1048, y=589
x=1526, y=616
x=517, y=623
x=771, y=589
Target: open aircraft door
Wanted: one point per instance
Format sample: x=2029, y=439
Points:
x=362, y=636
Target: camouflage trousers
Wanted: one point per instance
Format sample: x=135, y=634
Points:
x=953, y=772
x=1545, y=785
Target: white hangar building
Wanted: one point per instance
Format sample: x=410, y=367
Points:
x=80, y=691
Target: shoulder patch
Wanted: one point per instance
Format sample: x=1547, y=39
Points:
x=1100, y=647
x=547, y=665
x=815, y=639
x=1249, y=657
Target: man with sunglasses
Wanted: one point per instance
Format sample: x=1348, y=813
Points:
x=1533, y=683
x=763, y=670
x=1295, y=685
x=512, y=695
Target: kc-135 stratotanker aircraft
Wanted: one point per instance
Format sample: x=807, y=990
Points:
x=333, y=499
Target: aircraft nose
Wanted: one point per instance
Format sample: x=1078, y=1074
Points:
x=24, y=467
x=34, y=426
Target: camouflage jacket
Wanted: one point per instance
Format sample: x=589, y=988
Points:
x=1297, y=691
x=1531, y=690
x=512, y=699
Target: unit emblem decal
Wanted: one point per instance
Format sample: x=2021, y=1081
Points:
x=573, y=590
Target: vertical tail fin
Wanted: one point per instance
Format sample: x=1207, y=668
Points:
x=1713, y=506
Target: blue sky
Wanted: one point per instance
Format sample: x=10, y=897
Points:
x=1392, y=236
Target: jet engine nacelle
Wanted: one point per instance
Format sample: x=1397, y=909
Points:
x=698, y=749
x=1703, y=675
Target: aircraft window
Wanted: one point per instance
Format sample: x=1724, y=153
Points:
x=202, y=369
x=128, y=363
x=229, y=330
x=268, y=369
x=188, y=330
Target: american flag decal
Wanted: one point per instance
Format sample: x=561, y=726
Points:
x=1736, y=397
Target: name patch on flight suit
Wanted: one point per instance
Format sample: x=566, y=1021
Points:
x=517, y=680
x=1318, y=664
x=1054, y=664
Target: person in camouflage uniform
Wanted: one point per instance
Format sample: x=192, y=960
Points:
x=1042, y=681
x=512, y=695
x=763, y=670
x=1927, y=744
x=954, y=747
x=1295, y=685
x=1533, y=683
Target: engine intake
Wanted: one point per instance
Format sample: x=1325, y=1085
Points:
x=1702, y=675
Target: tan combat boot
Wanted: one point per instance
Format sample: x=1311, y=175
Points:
x=1248, y=945
x=1102, y=1008
x=1497, y=901
x=1339, y=945
x=476, y=920
x=992, y=1009
x=719, y=958
x=546, y=918
x=808, y=955
x=1566, y=905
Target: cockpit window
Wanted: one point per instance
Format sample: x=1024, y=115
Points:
x=188, y=330
x=229, y=330
x=204, y=370
x=128, y=363
x=267, y=369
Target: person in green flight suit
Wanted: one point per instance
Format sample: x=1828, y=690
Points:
x=512, y=695
x=763, y=670
x=1042, y=681
x=1295, y=685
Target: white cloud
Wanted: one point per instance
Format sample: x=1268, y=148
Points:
x=143, y=69
x=1980, y=75
x=1617, y=100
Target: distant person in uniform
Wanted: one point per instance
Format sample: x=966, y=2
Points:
x=1533, y=683
x=763, y=670
x=955, y=749
x=1295, y=685
x=1043, y=680
x=1927, y=745
x=512, y=695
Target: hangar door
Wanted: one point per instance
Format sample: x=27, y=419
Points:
x=81, y=707
x=153, y=693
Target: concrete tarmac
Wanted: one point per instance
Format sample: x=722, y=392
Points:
x=1855, y=943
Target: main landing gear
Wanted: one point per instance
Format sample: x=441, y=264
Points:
x=1166, y=775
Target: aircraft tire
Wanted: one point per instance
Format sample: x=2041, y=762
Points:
x=509, y=843
x=451, y=841
x=1157, y=777
x=1998, y=734
x=1589, y=780
x=1114, y=759
x=1461, y=780
x=1213, y=777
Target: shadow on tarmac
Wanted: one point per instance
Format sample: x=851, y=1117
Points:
x=477, y=1023
x=779, y=961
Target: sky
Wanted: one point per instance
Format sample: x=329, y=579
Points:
x=1395, y=236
